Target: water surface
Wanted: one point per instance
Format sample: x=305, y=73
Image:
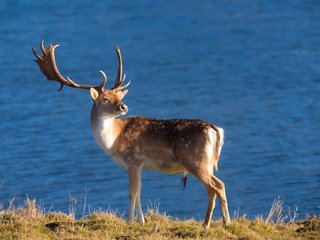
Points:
x=251, y=67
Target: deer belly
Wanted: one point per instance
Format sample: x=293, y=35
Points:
x=162, y=161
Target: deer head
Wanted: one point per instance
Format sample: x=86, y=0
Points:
x=107, y=102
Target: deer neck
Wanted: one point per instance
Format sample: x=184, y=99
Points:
x=105, y=129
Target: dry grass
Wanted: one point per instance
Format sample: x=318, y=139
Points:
x=31, y=222
x=278, y=215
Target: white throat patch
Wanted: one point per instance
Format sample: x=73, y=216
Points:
x=103, y=133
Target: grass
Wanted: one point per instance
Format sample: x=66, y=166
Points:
x=31, y=222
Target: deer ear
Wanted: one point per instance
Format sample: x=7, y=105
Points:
x=94, y=94
x=121, y=94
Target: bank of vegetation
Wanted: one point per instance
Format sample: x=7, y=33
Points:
x=31, y=222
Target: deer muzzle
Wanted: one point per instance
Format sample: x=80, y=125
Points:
x=122, y=108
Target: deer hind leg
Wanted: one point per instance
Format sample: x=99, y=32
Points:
x=211, y=205
x=215, y=187
x=134, y=173
x=221, y=192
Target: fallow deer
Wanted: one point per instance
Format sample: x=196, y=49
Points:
x=136, y=143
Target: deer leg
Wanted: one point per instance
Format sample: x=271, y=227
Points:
x=134, y=173
x=211, y=205
x=221, y=192
x=138, y=204
x=215, y=187
x=204, y=177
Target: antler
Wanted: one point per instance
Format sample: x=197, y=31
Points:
x=48, y=67
x=120, y=77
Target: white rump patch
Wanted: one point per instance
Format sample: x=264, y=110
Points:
x=210, y=147
x=221, y=132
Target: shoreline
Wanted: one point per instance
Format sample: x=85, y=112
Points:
x=30, y=222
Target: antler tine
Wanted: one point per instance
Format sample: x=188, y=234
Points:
x=123, y=87
x=43, y=49
x=48, y=67
x=104, y=81
x=119, y=79
x=36, y=55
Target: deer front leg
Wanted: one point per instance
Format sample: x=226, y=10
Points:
x=134, y=173
x=138, y=204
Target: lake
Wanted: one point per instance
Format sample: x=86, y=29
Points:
x=251, y=67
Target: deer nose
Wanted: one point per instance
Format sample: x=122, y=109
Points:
x=122, y=107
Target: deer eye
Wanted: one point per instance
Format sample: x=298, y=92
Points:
x=106, y=100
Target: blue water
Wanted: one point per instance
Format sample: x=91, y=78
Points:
x=251, y=67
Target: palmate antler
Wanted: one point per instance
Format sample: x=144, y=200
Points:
x=48, y=67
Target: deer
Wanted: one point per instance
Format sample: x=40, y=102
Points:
x=135, y=143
